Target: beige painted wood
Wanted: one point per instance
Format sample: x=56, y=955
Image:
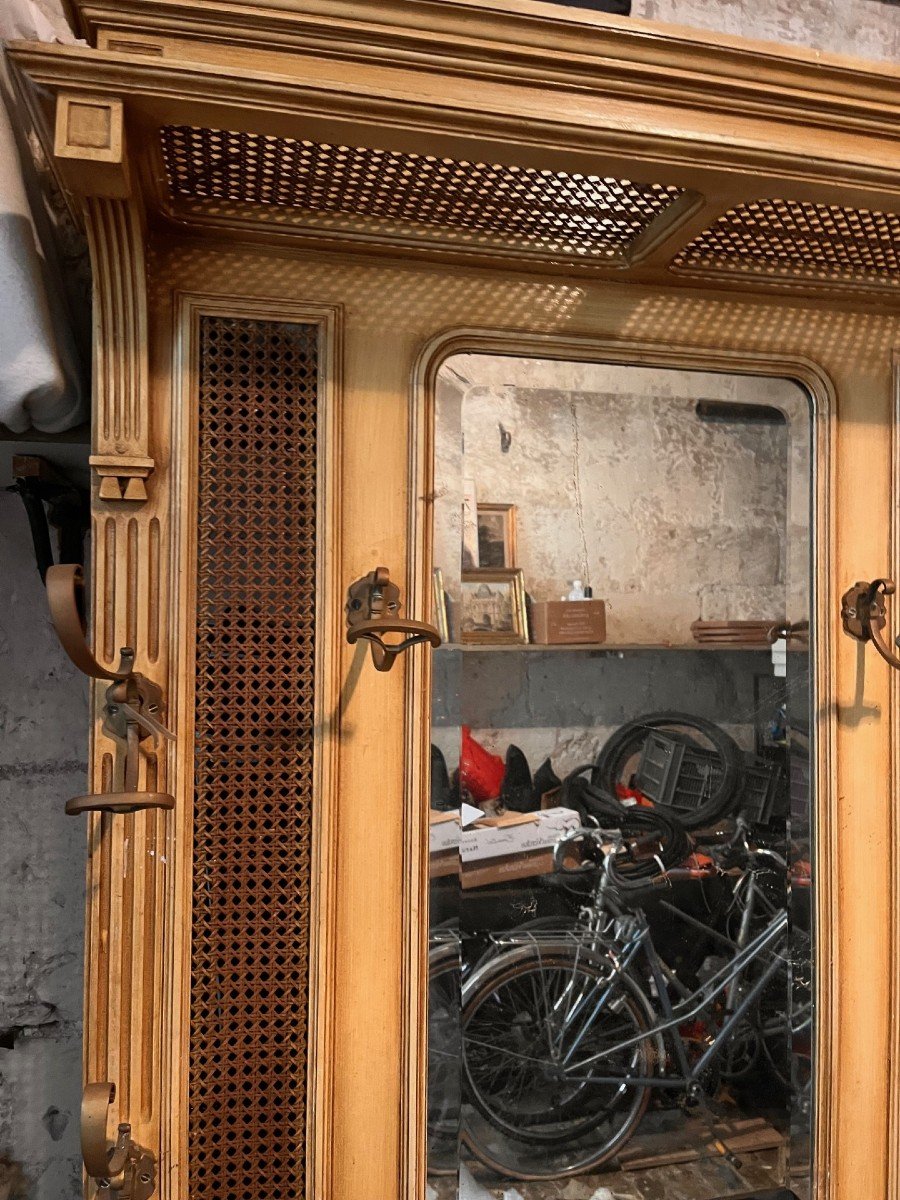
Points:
x=728, y=121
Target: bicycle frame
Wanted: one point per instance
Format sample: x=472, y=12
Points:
x=685, y=1010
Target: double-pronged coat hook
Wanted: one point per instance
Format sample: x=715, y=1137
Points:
x=121, y=1168
x=864, y=616
x=134, y=704
x=373, y=603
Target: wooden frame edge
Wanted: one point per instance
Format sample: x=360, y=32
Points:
x=893, y=1112
x=189, y=307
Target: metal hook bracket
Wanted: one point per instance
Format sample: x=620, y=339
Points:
x=372, y=608
x=864, y=616
x=133, y=704
x=121, y=1169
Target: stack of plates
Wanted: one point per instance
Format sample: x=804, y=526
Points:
x=732, y=633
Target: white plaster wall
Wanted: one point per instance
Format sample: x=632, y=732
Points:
x=618, y=483
x=860, y=28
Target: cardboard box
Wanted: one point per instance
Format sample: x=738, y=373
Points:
x=511, y=846
x=568, y=622
x=513, y=866
x=443, y=863
x=483, y=873
x=444, y=832
x=501, y=840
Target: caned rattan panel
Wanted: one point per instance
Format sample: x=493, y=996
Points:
x=583, y=214
x=793, y=239
x=253, y=759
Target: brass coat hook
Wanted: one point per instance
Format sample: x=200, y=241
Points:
x=373, y=603
x=134, y=704
x=864, y=615
x=121, y=1168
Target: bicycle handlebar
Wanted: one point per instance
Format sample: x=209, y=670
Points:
x=599, y=837
x=610, y=841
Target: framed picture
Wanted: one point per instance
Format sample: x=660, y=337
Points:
x=492, y=607
x=439, y=605
x=496, y=536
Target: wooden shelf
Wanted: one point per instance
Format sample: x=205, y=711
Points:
x=598, y=648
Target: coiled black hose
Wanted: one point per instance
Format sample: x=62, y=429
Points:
x=674, y=845
x=627, y=741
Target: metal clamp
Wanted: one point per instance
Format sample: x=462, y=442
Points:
x=864, y=615
x=122, y=1168
x=372, y=606
x=798, y=631
x=134, y=704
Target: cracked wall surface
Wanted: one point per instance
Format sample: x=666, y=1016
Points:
x=861, y=28
x=617, y=482
x=43, y=761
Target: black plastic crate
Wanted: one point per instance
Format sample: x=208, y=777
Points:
x=799, y=793
x=675, y=771
x=763, y=794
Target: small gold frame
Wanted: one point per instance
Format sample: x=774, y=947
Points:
x=481, y=632
x=507, y=515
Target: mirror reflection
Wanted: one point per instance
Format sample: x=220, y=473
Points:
x=621, y=950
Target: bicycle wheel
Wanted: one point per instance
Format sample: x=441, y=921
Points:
x=444, y=1065
x=527, y=1114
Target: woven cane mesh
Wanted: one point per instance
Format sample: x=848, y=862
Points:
x=253, y=773
x=800, y=240
x=585, y=214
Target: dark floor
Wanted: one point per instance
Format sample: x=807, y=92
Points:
x=753, y=1165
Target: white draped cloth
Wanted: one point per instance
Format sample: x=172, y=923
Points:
x=41, y=379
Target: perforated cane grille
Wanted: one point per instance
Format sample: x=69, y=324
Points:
x=586, y=214
x=253, y=775
x=800, y=240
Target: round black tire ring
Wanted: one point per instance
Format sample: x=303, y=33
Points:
x=627, y=741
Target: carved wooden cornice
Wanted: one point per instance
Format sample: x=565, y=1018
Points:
x=766, y=113
x=522, y=40
x=730, y=124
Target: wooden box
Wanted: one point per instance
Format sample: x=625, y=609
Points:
x=568, y=622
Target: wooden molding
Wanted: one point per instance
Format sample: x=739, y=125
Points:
x=893, y=1112
x=845, y=139
x=121, y=417
x=324, y=1000
x=522, y=39
x=89, y=142
x=635, y=118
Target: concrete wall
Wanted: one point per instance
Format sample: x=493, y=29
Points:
x=617, y=482
x=43, y=761
x=862, y=28
x=565, y=706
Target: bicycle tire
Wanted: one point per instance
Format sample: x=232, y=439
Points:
x=443, y=1128
x=628, y=739
x=563, y=1140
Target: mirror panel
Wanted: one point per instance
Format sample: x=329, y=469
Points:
x=621, y=943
